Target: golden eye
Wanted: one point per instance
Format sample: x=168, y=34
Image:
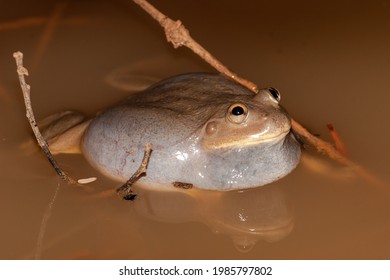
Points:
x=237, y=113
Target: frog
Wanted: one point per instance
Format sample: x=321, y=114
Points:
x=205, y=130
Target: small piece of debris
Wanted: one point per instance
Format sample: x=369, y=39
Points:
x=86, y=180
x=182, y=185
x=131, y=197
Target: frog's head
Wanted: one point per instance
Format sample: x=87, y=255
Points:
x=254, y=120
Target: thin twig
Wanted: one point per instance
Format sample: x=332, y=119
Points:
x=179, y=36
x=22, y=71
x=125, y=190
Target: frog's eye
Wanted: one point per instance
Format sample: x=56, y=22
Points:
x=274, y=93
x=237, y=113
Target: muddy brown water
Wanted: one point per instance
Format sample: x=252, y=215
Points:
x=331, y=62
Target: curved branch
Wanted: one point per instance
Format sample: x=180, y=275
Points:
x=22, y=71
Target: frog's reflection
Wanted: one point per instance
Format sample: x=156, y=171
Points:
x=246, y=216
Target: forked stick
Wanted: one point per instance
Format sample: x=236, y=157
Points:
x=125, y=190
x=51, y=26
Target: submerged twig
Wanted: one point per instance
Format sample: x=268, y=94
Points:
x=328, y=149
x=19, y=23
x=45, y=219
x=36, y=21
x=51, y=25
x=125, y=191
x=337, y=140
x=321, y=145
x=22, y=71
x=178, y=35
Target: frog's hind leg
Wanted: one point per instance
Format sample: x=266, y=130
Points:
x=56, y=124
x=63, y=132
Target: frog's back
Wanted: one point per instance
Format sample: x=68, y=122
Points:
x=190, y=90
x=193, y=97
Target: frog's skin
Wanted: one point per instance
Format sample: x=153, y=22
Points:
x=205, y=130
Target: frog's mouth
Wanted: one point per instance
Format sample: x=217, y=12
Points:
x=255, y=139
x=265, y=138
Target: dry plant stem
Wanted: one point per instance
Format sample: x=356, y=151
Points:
x=179, y=36
x=125, y=190
x=22, y=71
